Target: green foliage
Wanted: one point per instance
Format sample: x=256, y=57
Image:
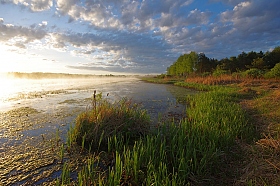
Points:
x=123, y=119
x=258, y=63
x=161, y=76
x=254, y=73
x=184, y=65
x=273, y=57
x=194, y=63
x=219, y=72
x=205, y=74
x=274, y=72
x=196, y=86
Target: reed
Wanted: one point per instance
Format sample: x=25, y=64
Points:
x=61, y=152
x=123, y=119
x=65, y=175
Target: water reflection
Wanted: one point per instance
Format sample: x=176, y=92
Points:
x=161, y=101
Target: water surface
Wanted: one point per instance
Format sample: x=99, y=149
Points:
x=34, y=113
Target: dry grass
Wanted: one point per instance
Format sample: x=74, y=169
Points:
x=212, y=80
x=234, y=79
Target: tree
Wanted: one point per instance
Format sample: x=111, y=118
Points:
x=184, y=65
x=272, y=58
x=204, y=64
x=258, y=63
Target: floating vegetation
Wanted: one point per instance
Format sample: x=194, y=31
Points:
x=22, y=111
x=69, y=101
x=39, y=94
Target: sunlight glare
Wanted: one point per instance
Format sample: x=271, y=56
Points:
x=11, y=59
x=7, y=87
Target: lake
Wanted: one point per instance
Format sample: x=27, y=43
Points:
x=33, y=112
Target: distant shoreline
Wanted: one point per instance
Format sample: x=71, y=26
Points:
x=49, y=75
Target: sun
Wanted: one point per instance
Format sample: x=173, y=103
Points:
x=14, y=59
x=11, y=60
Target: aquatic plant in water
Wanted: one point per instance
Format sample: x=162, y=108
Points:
x=104, y=120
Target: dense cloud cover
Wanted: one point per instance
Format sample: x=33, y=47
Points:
x=140, y=36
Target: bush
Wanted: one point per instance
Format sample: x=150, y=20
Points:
x=161, y=76
x=274, y=72
x=206, y=74
x=219, y=72
x=105, y=120
x=254, y=73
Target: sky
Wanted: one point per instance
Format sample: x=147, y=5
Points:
x=129, y=37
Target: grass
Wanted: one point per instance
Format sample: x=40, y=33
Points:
x=259, y=98
x=126, y=151
x=104, y=120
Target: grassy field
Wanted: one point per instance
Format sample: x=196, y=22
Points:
x=230, y=137
x=260, y=99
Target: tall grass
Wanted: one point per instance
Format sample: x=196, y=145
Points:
x=123, y=119
x=174, y=154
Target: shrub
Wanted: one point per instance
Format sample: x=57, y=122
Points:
x=254, y=73
x=274, y=72
x=219, y=72
x=206, y=74
x=161, y=76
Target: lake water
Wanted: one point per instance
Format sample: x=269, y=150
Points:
x=47, y=95
x=33, y=112
x=31, y=107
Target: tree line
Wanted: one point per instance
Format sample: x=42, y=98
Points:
x=253, y=63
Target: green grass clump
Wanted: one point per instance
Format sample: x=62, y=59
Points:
x=219, y=117
x=196, y=86
x=123, y=119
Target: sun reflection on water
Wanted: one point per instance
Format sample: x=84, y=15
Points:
x=15, y=91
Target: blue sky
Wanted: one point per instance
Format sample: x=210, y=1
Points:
x=129, y=37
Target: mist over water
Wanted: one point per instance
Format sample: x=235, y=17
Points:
x=50, y=95
x=18, y=92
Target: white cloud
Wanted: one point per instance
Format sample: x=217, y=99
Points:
x=40, y=5
x=44, y=23
x=241, y=5
x=33, y=5
x=65, y=5
x=11, y=32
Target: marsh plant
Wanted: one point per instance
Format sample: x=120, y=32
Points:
x=122, y=119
